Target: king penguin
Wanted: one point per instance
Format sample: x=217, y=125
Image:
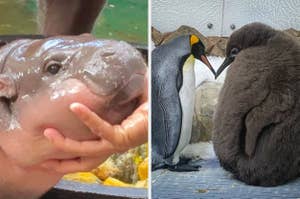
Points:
x=256, y=131
x=173, y=99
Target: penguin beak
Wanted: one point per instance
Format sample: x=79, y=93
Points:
x=204, y=59
x=226, y=63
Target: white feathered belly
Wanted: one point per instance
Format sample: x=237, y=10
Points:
x=187, y=100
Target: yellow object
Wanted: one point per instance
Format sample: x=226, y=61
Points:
x=118, y=183
x=115, y=182
x=143, y=169
x=194, y=39
x=137, y=159
x=86, y=177
x=141, y=184
x=125, y=170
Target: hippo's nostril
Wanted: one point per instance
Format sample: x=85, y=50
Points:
x=91, y=71
x=96, y=82
x=108, y=53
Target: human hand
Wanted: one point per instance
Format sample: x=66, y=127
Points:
x=27, y=149
x=132, y=132
x=112, y=139
x=14, y=179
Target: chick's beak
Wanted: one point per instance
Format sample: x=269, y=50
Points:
x=227, y=62
x=204, y=59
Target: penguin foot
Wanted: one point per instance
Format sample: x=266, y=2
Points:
x=159, y=166
x=183, y=168
x=184, y=165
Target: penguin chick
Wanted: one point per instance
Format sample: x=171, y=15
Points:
x=173, y=97
x=256, y=132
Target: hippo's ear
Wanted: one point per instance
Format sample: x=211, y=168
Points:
x=7, y=49
x=7, y=86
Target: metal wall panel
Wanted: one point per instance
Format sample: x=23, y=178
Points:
x=168, y=15
x=280, y=14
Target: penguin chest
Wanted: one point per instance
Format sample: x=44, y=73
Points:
x=187, y=101
x=187, y=94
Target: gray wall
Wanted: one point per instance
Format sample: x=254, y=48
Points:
x=168, y=15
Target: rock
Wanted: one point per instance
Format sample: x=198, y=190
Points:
x=205, y=104
x=213, y=45
x=292, y=32
x=218, y=46
x=157, y=36
x=186, y=30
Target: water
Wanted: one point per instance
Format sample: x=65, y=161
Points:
x=125, y=19
x=122, y=20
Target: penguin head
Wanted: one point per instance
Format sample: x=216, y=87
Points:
x=198, y=51
x=251, y=35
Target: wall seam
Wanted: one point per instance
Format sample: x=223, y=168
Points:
x=222, y=20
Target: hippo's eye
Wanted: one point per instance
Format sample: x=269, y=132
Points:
x=53, y=68
x=234, y=52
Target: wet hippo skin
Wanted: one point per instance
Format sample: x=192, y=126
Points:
x=40, y=78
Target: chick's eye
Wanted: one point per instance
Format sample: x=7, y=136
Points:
x=234, y=52
x=53, y=68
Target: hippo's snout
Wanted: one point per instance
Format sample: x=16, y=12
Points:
x=108, y=69
x=99, y=83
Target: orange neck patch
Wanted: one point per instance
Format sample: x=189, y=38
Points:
x=194, y=39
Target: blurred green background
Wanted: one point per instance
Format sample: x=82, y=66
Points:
x=120, y=19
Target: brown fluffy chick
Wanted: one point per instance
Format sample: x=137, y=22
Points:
x=256, y=131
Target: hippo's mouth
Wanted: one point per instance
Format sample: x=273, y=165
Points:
x=120, y=93
x=113, y=108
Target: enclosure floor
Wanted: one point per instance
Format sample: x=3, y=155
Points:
x=211, y=181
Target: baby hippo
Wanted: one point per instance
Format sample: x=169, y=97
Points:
x=257, y=122
x=40, y=79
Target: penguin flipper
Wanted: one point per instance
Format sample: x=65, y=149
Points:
x=166, y=109
x=258, y=119
x=171, y=125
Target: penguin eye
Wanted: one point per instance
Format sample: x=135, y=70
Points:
x=234, y=52
x=53, y=68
